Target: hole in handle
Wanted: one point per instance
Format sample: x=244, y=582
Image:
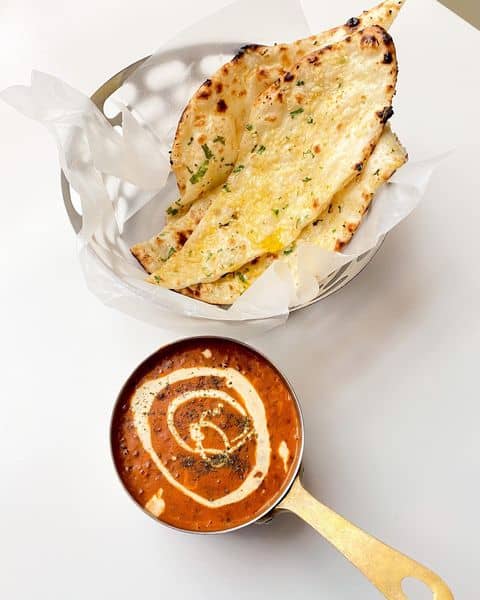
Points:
x=416, y=589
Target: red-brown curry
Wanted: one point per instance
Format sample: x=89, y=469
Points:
x=206, y=435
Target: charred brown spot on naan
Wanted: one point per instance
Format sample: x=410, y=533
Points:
x=353, y=23
x=385, y=114
x=369, y=40
x=244, y=49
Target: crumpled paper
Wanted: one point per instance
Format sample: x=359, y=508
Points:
x=124, y=180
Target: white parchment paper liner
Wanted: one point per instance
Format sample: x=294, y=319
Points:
x=124, y=183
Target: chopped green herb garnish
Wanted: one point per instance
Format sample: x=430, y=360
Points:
x=206, y=150
x=334, y=230
x=289, y=250
x=377, y=172
x=157, y=278
x=315, y=42
x=309, y=153
x=238, y=168
x=242, y=277
x=297, y=111
x=254, y=148
x=171, y=251
x=219, y=139
x=202, y=169
x=226, y=187
x=189, y=170
x=306, y=179
x=300, y=82
x=275, y=211
x=339, y=208
x=249, y=127
x=261, y=149
x=310, y=120
x=172, y=211
x=190, y=141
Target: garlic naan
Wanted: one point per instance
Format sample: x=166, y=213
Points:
x=203, y=130
x=208, y=135
x=331, y=231
x=310, y=134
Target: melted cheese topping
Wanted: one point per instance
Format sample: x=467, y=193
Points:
x=142, y=401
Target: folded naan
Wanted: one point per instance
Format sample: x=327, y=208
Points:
x=208, y=136
x=203, y=130
x=310, y=134
x=331, y=231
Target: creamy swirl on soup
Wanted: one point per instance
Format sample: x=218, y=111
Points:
x=205, y=435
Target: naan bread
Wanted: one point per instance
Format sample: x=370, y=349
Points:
x=208, y=135
x=306, y=143
x=254, y=71
x=331, y=231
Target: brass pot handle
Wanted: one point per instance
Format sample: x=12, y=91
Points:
x=385, y=567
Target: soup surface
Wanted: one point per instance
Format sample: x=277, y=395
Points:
x=206, y=435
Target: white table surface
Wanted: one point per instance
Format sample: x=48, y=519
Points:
x=387, y=369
